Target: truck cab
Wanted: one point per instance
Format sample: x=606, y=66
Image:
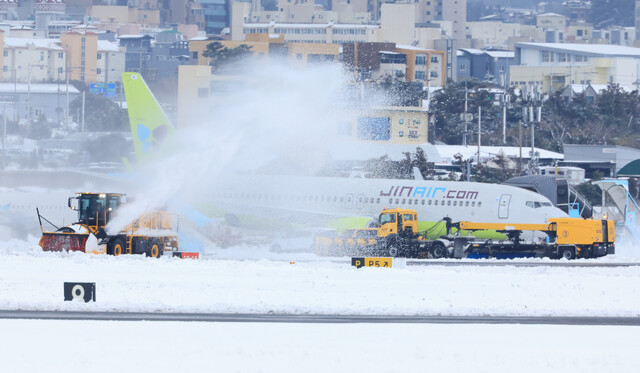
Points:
x=403, y=222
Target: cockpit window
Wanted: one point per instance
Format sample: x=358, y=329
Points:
x=536, y=204
x=407, y=217
x=387, y=218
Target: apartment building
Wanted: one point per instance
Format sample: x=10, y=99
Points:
x=316, y=33
x=110, y=62
x=32, y=60
x=82, y=55
x=549, y=67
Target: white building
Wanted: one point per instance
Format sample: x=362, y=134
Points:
x=548, y=67
x=33, y=60
x=110, y=63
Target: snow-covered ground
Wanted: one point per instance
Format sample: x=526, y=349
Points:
x=101, y=346
x=237, y=280
x=33, y=280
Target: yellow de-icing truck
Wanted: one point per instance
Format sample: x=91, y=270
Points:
x=567, y=238
x=397, y=234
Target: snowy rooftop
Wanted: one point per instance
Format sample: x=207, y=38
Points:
x=410, y=47
x=311, y=25
x=501, y=54
x=36, y=88
x=591, y=49
x=472, y=51
x=38, y=43
x=448, y=151
x=107, y=46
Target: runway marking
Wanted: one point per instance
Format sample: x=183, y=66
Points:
x=332, y=319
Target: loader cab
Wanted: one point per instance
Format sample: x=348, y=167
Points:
x=95, y=209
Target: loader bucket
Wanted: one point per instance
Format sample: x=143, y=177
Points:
x=59, y=241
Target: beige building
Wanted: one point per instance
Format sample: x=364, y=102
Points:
x=394, y=27
x=120, y=15
x=197, y=47
x=498, y=34
x=424, y=65
x=82, y=55
x=305, y=53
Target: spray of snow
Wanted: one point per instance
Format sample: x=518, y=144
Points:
x=275, y=111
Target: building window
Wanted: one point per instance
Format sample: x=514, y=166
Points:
x=99, y=71
x=434, y=59
x=6, y=53
x=5, y=68
x=60, y=55
x=99, y=56
x=463, y=67
x=562, y=57
x=421, y=75
x=421, y=60
x=547, y=56
x=60, y=70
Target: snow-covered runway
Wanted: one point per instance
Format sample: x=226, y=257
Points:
x=235, y=281
x=32, y=280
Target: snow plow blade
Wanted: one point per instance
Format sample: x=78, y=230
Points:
x=63, y=241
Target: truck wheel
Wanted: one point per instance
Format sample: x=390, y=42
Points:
x=155, y=249
x=567, y=253
x=393, y=250
x=116, y=247
x=438, y=250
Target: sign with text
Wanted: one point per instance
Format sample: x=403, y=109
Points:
x=82, y=291
x=371, y=262
x=103, y=89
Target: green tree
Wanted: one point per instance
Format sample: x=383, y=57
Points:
x=101, y=114
x=385, y=168
x=591, y=192
x=108, y=148
x=225, y=59
x=420, y=161
x=39, y=129
x=607, y=13
x=497, y=170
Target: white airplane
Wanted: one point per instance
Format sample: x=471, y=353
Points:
x=18, y=217
x=324, y=197
x=302, y=200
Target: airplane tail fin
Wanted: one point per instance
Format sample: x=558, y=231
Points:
x=417, y=175
x=150, y=125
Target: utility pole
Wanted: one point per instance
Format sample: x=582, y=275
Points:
x=479, y=133
x=67, y=114
x=466, y=94
x=83, y=94
x=520, y=145
x=4, y=136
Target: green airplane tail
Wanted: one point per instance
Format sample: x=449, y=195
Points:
x=150, y=126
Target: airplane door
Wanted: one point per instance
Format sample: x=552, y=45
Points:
x=503, y=208
x=360, y=201
x=348, y=201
